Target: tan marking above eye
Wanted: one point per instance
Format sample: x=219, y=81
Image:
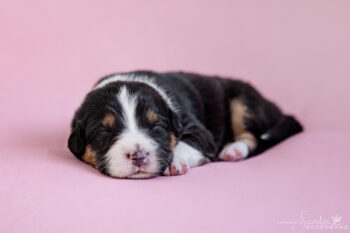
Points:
x=152, y=117
x=90, y=156
x=108, y=120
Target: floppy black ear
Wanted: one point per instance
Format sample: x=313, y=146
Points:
x=76, y=141
x=176, y=124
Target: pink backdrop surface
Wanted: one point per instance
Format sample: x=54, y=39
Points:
x=52, y=52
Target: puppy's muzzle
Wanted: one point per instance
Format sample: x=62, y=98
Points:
x=138, y=157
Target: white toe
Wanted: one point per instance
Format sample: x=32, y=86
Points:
x=234, y=151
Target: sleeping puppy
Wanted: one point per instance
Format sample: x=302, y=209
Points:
x=144, y=124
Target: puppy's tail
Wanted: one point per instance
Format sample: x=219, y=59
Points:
x=284, y=128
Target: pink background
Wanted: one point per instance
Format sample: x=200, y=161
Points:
x=52, y=52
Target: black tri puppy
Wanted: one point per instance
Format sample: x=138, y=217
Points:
x=143, y=124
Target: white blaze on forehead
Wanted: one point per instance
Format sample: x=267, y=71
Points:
x=150, y=81
x=128, y=103
x=131, y=139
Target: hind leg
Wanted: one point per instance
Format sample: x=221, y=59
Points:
x=257, y=124
x=244, y=142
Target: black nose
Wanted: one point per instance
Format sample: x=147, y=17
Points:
x=138, y=157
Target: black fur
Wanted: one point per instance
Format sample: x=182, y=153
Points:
x=203, y=119
x=87, y=128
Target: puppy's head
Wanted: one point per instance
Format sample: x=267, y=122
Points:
x=125, y=130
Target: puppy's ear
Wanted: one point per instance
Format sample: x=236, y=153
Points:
x=76, y=141
x=176, y=124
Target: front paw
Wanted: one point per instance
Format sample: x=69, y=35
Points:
x=176, y=168
x=185, y=157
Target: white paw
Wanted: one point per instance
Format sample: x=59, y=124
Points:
x=177, y=167
x=185, y=157
x=234, y=152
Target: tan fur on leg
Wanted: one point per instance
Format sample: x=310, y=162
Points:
x=239, y=112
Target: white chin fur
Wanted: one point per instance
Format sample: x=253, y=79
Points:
x=141, y=175
x=119, y=165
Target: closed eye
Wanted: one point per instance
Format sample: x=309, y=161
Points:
x=158, y=125
x=105, y=131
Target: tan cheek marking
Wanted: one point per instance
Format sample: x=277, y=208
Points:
x=152, y=117
x=108, y=120
x=172, y=141
x=90, y=156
